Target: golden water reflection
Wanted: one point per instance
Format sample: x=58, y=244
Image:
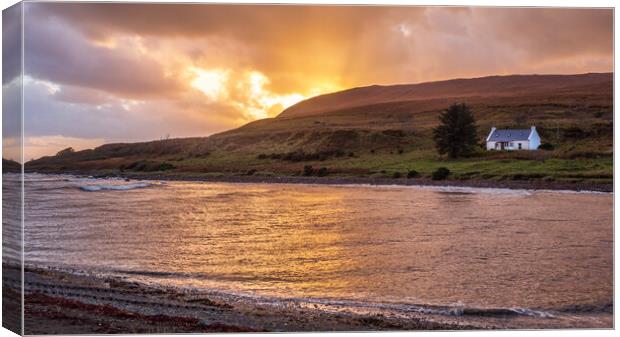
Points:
x=395, y=244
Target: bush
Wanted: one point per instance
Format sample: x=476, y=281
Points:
x=165, y=166
x=322, y=172
x=441, y=173
x=546, y=147
x=307, y=170
x=413, y=174
x=65, y=152
x=250, y=172
x=396, y=175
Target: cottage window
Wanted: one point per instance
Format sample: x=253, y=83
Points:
x=519, y=146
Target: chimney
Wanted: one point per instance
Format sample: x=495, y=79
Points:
x=491, y=133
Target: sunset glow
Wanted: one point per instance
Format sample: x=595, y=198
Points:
x=212, y=83
x=217, y=67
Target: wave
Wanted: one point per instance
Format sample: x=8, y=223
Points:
x=95, y=188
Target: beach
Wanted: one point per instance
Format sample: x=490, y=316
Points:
x=64, y=303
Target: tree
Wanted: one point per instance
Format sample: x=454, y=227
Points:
x=456, y=135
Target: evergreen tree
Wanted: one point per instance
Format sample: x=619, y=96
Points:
x=456, y=136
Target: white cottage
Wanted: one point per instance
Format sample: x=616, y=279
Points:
x=513, y=139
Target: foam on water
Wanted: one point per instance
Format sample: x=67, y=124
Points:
x=95, y=188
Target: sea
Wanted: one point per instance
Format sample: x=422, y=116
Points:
x=452, y=251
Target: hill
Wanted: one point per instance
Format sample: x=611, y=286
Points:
x=457, y=89
x=9, y=165
x=385, y=131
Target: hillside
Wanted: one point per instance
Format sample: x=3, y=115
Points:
x=457, y=89
x=12, y=166
x=385, y=131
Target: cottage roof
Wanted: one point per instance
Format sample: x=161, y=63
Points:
x=509, y=135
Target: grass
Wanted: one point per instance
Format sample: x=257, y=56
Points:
x=384, y=140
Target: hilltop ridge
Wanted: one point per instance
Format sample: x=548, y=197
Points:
x=489, y=86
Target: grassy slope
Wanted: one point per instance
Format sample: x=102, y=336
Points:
x=377, y=140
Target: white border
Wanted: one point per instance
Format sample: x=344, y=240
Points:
x=480, y=3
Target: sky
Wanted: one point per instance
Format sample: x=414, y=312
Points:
x=101, y=72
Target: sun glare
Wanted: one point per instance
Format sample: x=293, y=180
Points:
x=262, y=101
x=212, y=83
x=248, y=91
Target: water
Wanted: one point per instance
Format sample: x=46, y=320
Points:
x=478, y=248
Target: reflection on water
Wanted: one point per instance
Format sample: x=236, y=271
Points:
x=386, y=244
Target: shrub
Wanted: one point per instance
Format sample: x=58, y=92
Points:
x=546, y=146
x=262, y=156
x=441, y=173
x=322, y=172
x=413, y=174
x=65, y=152
x=250, y=172
x=307, y=170
x=400, y=151
x=165, y=166
x=396, y=175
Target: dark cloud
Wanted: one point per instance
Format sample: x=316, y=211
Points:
x=57, y=53
x=11, y=43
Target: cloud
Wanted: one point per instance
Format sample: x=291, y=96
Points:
x=286, y=42
x=119, y=71
x=55, y=52
x=11, y=43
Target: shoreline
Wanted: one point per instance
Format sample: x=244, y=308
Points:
x=506, y=184
x=60, y=302
x=63, y=302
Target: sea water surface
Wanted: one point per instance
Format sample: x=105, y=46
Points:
x=535, y=251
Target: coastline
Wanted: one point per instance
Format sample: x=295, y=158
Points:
x=59, y=302
x=505, y=184
x=63, y=302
